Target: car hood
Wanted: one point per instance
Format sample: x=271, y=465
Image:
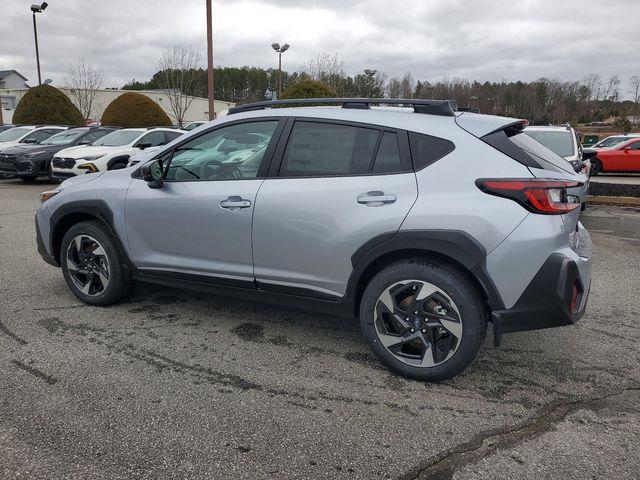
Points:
x=84, y=151
x=21, y=149
x=77, y=180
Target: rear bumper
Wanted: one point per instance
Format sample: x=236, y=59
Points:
x=556, y=296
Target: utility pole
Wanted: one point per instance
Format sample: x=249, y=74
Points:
x=37, y=9
x=212, y=103
x=280, y=50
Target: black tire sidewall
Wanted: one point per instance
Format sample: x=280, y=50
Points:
x=116, y=289
x=462, y=292
x=598, y=167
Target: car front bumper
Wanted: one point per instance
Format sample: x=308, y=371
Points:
x=42, y=249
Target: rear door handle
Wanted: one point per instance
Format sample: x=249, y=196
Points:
x=235, y=203
x=375, y=199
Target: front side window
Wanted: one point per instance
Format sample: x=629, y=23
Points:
x=13, y=134
x=153, y=138
x=635, y=146
x=37, y=136
x=228, y=153
x=63, y=138
x=118, y=138
x=323, y=149
x=558, y=142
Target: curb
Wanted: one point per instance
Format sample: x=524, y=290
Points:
x=605, y=200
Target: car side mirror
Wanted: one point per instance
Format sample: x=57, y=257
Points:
x=142, y=146
x=152, y=173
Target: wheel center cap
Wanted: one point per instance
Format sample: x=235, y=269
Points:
x=417, y=322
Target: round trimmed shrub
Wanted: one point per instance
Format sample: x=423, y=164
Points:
x=135, y=110
x=45, y=104
x=308, y=89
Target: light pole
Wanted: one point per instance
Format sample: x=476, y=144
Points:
x=212, y=103
x=37, y=9
x=280, y=50
x=370, y=74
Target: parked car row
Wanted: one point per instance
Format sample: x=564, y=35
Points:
x=29, y=152
x=617, y=153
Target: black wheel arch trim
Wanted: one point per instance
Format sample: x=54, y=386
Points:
x=455, y=245
x=118, y=159
x=98, y=209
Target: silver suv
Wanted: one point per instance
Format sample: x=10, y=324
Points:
x=424, y=222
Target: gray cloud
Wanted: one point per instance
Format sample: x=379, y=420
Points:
x=482, y=40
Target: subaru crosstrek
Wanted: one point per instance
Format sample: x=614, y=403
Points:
x=424, y=222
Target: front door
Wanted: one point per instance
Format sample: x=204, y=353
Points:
x=199, y=222
x=337, y=187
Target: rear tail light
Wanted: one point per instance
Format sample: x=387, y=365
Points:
x=544, y=196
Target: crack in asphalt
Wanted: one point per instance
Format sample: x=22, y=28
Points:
x=4, y=329
x=444, y=465
x=35, y=372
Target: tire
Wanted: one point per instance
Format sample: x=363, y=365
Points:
x=447, y=294
x=596, y=167
x=97, y=269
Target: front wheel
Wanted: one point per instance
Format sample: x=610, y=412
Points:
x=92, y=264
x=423, y=320
x=596, y=167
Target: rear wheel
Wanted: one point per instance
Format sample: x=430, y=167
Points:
x=92, y=264
x=596, y=167
x=423, y=320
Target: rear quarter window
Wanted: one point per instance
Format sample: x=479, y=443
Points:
x=426, y=149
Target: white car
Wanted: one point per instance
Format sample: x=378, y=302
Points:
x=27, y=134
x=110, y=152
x=193, y=125
x=614, y=141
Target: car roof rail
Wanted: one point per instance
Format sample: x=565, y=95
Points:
x=446, y=108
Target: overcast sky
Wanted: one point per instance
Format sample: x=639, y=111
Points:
x=476, y=39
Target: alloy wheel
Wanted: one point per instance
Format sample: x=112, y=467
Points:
x=88, y=265
x=418, y=323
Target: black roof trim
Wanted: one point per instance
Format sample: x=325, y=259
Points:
x=446, y=108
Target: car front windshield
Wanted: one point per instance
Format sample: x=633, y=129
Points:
x=558, y=142
x=63, y=138
x=13, y=134
x=117, y=138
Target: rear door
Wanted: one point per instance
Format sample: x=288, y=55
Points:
x=333, y=187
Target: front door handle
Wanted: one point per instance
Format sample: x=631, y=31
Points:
x=235, y=203
x=375, y=199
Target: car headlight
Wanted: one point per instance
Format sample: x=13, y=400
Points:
x=44, y=196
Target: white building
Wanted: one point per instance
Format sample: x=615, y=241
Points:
x=15, y=87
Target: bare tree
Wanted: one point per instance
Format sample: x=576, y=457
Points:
x=612, y=89
x=83, y=81
x=326, y=68
x=407, y=86
x=178, y=77
x=593, y=83
x=635, y=84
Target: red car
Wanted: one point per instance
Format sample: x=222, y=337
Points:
x=622, y=158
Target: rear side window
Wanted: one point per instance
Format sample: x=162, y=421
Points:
x=426, y=149
x=319, y=149
x=170, y=136
x=558, y=142
x=388, y=156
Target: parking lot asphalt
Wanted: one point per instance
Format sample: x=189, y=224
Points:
x=176, y=384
